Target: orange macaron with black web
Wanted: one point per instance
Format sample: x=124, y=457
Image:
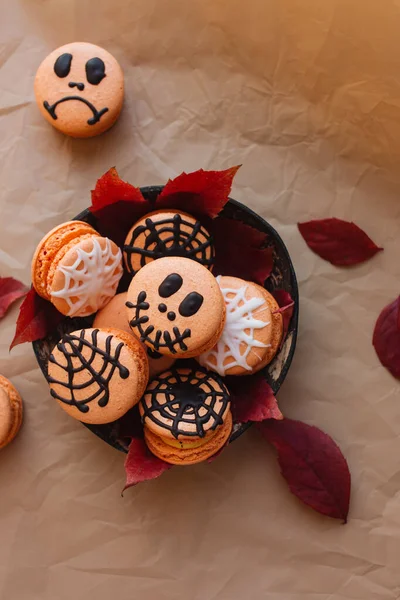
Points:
x=186, y=415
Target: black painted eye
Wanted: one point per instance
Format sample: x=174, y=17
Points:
x=62, y=66
x=95, y=70
x=170, y=285
x=191, y=304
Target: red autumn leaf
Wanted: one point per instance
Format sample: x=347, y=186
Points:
x=117, y=205
x=398, y=316
x=110, y=188
x=252, y=399
x=239, y=251
x=141, y=464
x=386, y=338
x=312, y=464
x=201, y=193
x=10, y=291
x=36, y=319
x=286, y=306
x=340, y=242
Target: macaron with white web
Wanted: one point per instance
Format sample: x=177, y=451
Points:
x=76, y=269
x=252, y=333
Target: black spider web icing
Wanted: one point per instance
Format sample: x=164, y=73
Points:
x=177, y=241
x=178, y=397
x=71, y=347
x=162, y=339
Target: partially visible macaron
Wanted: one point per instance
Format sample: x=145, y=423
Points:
x=186, y=415
x=252, y=332
x=79, y=89
x=10, y=412
x=76, y=269
x=114, y=315
x=167, y=233
x=175, y=306
x=97, y=375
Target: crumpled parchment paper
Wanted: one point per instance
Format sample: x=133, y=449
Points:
x=306, y=95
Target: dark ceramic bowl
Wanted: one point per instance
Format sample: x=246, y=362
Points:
x=282, y=277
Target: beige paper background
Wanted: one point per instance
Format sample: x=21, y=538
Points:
x=306, y=94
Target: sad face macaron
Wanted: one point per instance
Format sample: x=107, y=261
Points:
x=79, y=89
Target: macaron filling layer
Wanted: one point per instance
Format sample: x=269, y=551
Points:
x=187, y=444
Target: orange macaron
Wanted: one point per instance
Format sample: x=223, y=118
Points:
x=97, y=375
x=79, y=89
x=114, y=315
x=167, y=233
x=252, y=333
x=76, y=269
x=186, y=415
x=175, y=306
x=10, y=412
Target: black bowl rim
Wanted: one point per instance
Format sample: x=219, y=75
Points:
x=270, y=230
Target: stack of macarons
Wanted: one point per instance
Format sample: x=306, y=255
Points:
x=173, y=309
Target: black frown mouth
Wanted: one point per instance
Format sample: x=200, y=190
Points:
x=97, y=114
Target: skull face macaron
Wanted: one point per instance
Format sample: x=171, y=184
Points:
x=175, y=306
x=79, y=89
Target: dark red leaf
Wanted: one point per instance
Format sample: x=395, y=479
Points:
x=340, y=242
x=201, y=193
x=398, y=316
x=386, y=338
x=252, y=399
x=36, y=319
x=141, y=464
x=238, y=251
x=286, y=306
x=10, y=291
x=312, y=464
x=117, y=205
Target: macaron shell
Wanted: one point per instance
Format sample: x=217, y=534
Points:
x=114, y=315
x=276, y=331
x=10, y=412
x=83, y=279
x=159, y=414
x=169, y=237
x=173, y=330
x=72, y=115
x=123, y=370
x=189, y=456
x=251, y=335
x=48, y=248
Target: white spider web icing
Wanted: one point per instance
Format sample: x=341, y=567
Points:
x=239, y=327
x=92, y=280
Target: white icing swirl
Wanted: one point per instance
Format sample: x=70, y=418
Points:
x=92, y=279
x=239, y=328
